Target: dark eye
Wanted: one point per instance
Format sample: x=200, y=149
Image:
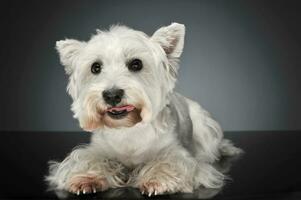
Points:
x=135, y=65
x=96, y=68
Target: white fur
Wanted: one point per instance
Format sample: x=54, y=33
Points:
x=149, y=154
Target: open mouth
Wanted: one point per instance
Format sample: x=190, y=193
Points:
x=120, y=112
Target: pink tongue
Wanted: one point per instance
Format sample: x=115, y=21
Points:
x=128, y=108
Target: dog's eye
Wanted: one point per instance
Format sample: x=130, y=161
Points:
x=135, y=65
x=96, y=68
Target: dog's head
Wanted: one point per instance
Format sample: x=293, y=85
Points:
x=122, y=76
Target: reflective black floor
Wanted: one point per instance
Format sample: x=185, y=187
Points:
x=269, y=169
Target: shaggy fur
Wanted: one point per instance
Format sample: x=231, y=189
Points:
x=168, y=144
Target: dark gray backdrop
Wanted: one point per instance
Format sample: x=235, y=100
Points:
x=241, y=59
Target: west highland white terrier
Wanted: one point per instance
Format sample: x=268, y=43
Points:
x=145, y=135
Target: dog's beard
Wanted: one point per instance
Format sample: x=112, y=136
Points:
x=130, y=119
x=97, y=115
x=102, y=118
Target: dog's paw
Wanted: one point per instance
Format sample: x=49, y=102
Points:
x=156, y=187
x=87, y=183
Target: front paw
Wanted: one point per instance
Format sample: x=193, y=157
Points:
x=87, y=183
x=156, y=186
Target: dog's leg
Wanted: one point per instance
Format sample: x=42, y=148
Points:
x=174, y=170
x=210, y=147
x=85, y=171
x=170, y=172
x=207, y=134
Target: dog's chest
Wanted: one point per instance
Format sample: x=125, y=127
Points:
x=131, y=147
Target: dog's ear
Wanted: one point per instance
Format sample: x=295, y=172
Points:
x=68, y=49
x=171, y=39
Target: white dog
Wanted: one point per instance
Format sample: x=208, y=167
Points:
x=145, y=135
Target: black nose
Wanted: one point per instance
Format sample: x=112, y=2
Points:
x=113, y=96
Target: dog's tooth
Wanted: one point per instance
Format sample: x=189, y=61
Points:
x=94, y=190
x=84, y=191
x=155, y=192
x=78, y=192
x=149, y=194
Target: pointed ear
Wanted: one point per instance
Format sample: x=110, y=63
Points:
x=68, y=49
x=171, y=39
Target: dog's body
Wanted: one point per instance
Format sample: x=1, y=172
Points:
x=152, y=138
